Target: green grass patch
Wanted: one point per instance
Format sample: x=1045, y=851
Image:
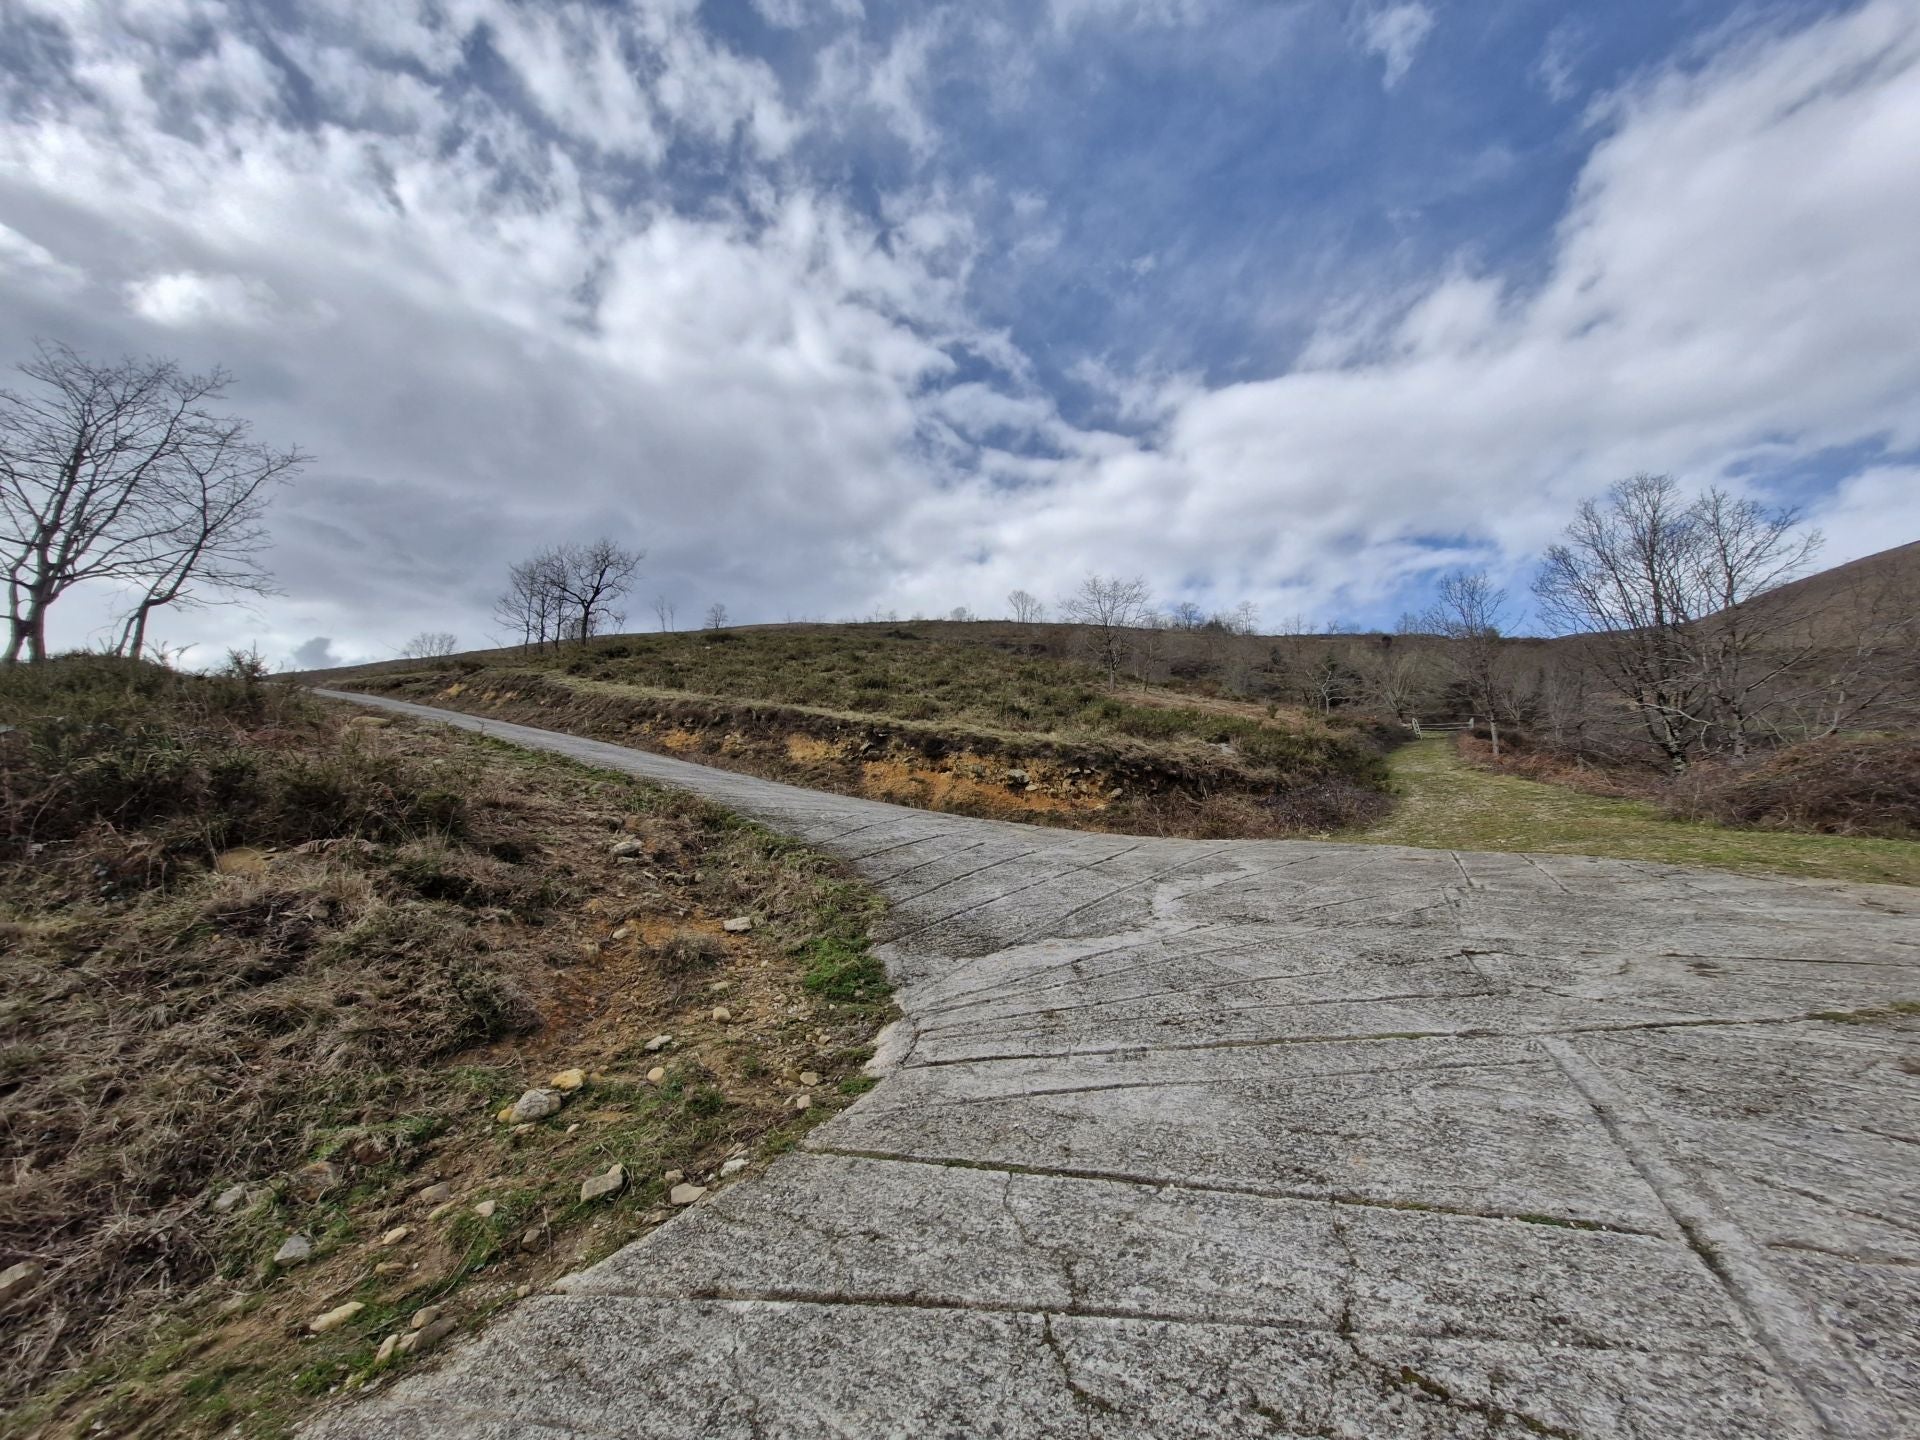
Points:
x=1446, y=804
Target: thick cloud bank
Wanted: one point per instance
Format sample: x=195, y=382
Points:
x=523, y=273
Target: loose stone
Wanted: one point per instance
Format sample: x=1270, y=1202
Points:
x=17, y=1280
x=534, y=1105
x=424, y=1317
x=685, y=1194
x=659, y=1042
x=673, y=1177
x=611, y=1183
x=732, y=1168
x=293, y=1250
x=657, y=1074
x=738, y=924
x=568, y=1080
x=396, y=1235
x=426, y=1339
x=721, y=1015
x=435, y=1194
x=310, y=1182
x=486, y=1208
x=335, y=1318
x=228, y=1198
x=809, y=1077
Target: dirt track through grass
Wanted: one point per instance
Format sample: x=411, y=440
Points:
x=1446, y=804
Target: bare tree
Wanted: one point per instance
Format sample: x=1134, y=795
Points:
x=1468, y=610
x=119, y=473
x=1028, y=609
x=430, y=645
x=531, y=605
x=663, y=607
x=716, y=616
x=1110, y=609
x=567, y=592
x=1666, y=589
x=961, y=613
x=1186, y=616
x=1396, y=674
x=592, y=577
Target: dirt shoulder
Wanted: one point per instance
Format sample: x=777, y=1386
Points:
x=292, y=1021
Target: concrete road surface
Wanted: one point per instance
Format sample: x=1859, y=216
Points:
x=1268, y=1138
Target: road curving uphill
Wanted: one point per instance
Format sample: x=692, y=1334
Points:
x=1188, y=1138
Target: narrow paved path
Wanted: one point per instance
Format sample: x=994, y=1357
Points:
x=1282, y=1139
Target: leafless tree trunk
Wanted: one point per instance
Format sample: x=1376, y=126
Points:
x=117, y=472
x=663, y=607
x=531, y=606
x=593, y=576
x=1468, y=611
x=1110, y=609
x=1027, y=609
x=1674, y=593
x=716, y=616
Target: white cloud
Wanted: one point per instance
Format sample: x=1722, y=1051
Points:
x=778, y=392
x=1396, y=34
x=30, y=262
x=181, y=298
x=797, y=14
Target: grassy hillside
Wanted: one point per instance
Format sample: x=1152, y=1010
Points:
x=980, y=719
x=270, y=970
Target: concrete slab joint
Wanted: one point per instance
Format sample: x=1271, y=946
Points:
x=1188, y=1138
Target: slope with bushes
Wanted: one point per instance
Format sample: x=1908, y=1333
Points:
x=1004, y=727
x=271, y=971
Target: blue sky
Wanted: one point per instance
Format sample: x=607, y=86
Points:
x=839, y=308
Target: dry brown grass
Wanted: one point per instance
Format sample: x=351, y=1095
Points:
x=177, y=1019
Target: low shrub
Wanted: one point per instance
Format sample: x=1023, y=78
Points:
x=1834, y=786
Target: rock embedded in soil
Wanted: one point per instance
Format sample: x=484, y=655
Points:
x=229, y=1198
x=424, y=1317
x=656, y=1074
x=486, y=1208
x=568, y=1080
x=310, y=1182
x=673, y=1177
x=611, y=1183
x=721, y=1015
x=809, y=1078
x=732, y=1168
x=437, y=1194
x=737, y=925
x=293, y=1250
x=659, y=1042
x=686, y=1194
x=385, y=1352
x=335, y=1318
x=422, y=1341
x=396, y=1235
x=533, y=1105
x=17, y=1280
x=628, y=849
x=803, y=1102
